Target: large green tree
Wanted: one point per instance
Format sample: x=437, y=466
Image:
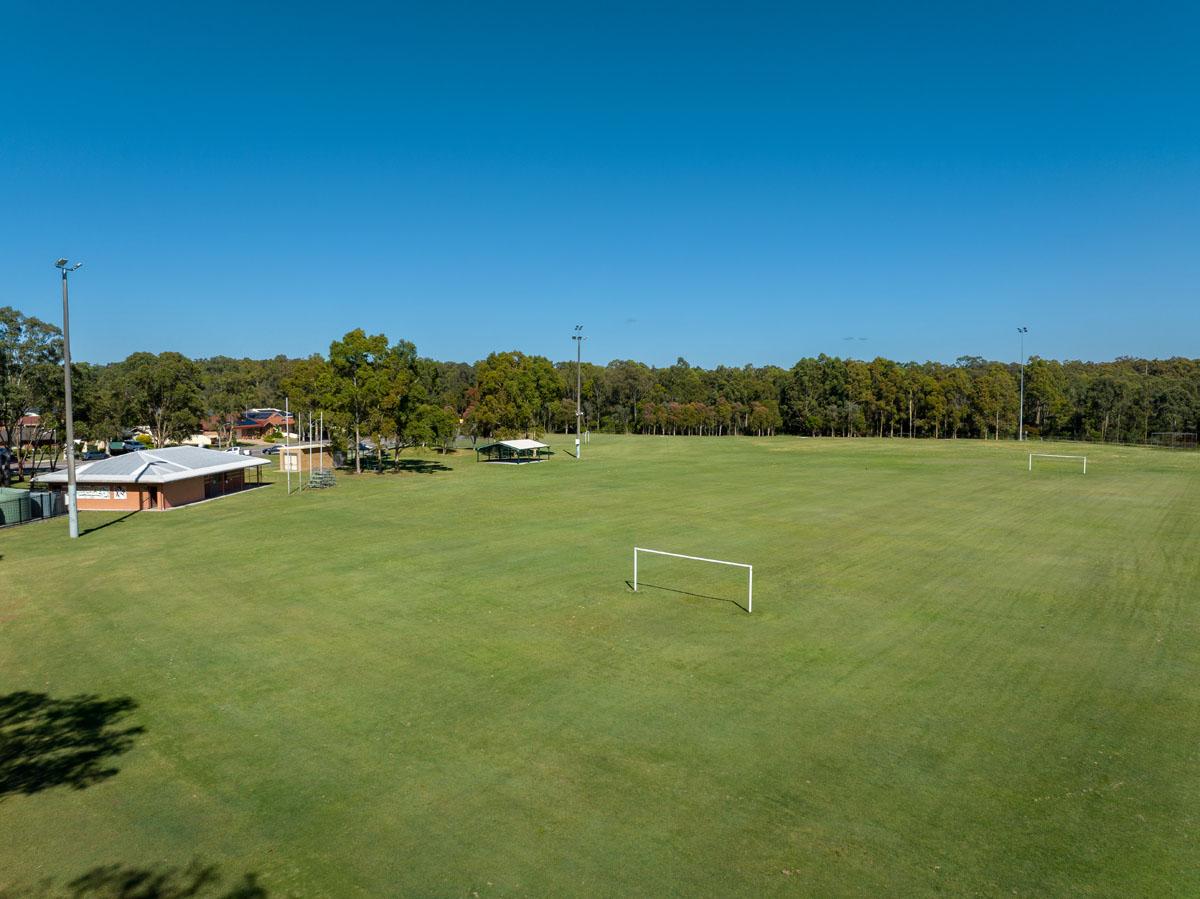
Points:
x=227, y=392
x=512, y=393
x=30, y=368
x=359, y=362
x=165, y=393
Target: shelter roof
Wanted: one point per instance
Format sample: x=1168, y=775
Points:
x=517, y=444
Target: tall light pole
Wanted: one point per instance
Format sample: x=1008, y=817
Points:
x=579, y=339
x=1022, y=331
x=72, y=503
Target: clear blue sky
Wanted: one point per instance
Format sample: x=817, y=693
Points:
x=731, y=183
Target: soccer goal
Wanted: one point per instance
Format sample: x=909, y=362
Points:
x=659, y=552
x=1174, y=439
x=1056, y=456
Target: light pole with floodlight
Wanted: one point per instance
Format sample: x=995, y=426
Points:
x=72, y=502
x=1021, y=420
x=579, y=339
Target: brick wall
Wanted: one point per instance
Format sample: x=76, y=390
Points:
x=135, y=496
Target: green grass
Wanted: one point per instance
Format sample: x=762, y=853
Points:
x=959, y=678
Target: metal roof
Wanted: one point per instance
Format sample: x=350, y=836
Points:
x=518, y=444
x=159, y=466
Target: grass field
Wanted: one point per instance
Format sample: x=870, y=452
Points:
x=959, y=678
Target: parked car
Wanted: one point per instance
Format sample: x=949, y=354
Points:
x=271, y=451
x=93, y=456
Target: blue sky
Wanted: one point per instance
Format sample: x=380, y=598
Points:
x=731, y=183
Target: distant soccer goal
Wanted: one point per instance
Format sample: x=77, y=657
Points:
x=1174, y=439
x=659, y=552
x=1032, y=456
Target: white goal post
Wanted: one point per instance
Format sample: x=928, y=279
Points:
x=1056, y=456
x=659, y=552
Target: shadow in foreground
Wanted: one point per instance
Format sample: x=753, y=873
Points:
x=108, y=524
x=47, y=742
x=157, y=882
x=732, y=602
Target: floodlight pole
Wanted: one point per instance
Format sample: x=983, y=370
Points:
x=579, y=339
x=287, y=462
x=1022, y=331
x=72, y=498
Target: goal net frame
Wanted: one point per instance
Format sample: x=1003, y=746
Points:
x=1056, y=456
x=660, y=552
x=1187, y=440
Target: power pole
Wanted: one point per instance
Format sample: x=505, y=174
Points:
x=579, y=339
x=72, y=499
x=1021, y=417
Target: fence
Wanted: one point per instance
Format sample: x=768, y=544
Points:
x=21, y=506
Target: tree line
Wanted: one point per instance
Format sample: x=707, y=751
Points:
x=372, y=388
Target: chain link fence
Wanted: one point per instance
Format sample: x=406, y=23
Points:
x=23, y=506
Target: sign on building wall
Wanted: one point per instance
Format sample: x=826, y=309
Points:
x=93, y=493
x=119, y=493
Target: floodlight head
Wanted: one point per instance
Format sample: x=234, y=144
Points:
x=61, y=263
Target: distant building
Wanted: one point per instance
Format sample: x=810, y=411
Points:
x=29, y=432
x=261, y=422
x=157, y=479
x=304, y=457
x=252, y=424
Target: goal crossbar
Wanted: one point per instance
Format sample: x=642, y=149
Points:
x=659, y=552
x=1056, y=456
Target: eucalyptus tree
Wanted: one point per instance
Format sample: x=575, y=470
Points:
x=227, y=391
x=30, y=356
x=358, y=363
x=165, y=393
x=513, y=393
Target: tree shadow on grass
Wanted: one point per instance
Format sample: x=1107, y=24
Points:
x=46, y=742
x=417, y=466
x=196, y=881
x=732, y=602
x=162, y=882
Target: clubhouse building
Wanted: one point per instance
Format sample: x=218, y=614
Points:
x=157, y=479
